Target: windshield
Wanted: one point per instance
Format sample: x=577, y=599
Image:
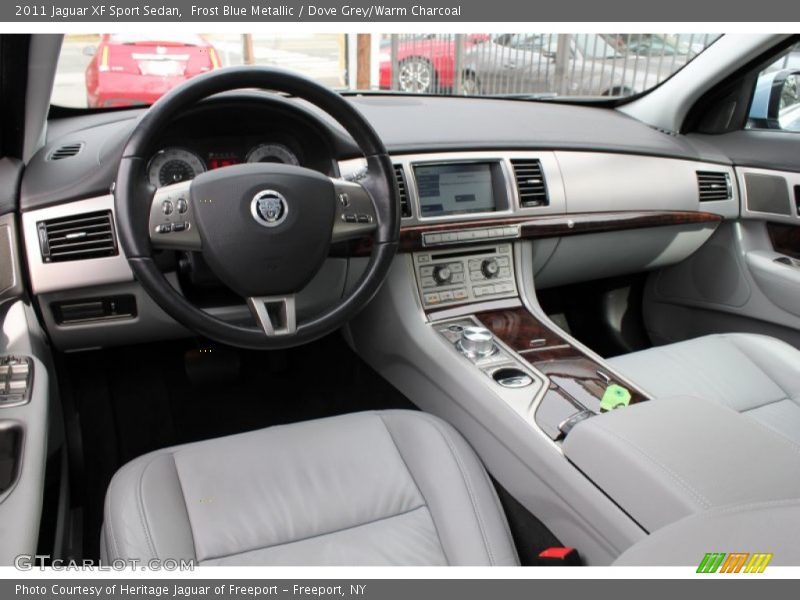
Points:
x=126, y=69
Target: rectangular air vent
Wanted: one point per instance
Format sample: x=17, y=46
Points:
x=530, y=183
x=713, y=186
x=405, y=207
x=77, y=237
x=66, y=151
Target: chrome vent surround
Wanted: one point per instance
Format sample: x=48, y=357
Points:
x=400, y=176
x=66, y=151
x=530, y=181
x=77, y=237
x=714, y=186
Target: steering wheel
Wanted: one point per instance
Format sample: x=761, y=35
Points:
x=263, y=228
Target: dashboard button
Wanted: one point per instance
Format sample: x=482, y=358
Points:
x=450, y=237
x=431, y=298
x=423, y=258
x=480, y=234
x=428, y=282
x=433, y=238
x=497, y=232
x=446, y=296
x=460, y=294
x=426, y=271
x=456, y=267
x=457, y=278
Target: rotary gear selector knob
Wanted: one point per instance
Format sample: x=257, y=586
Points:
x=490, y=268
x=476, y=342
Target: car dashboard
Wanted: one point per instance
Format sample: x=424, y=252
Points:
x=558, y=175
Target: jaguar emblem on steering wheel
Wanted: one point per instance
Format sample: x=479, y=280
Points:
x=269, y=208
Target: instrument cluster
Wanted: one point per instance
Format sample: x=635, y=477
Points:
x=174, y=164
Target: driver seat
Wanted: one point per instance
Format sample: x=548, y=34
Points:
x=374, y=488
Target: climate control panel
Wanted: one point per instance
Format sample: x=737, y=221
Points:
x=458, y=277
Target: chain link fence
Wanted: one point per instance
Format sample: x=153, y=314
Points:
x=534, y=63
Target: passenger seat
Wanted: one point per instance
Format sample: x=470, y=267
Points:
x=756, y=375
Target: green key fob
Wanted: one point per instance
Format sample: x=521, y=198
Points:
x=615, y=396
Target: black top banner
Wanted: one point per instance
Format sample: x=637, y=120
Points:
x=366, y=11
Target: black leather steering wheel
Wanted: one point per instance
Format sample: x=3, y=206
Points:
x=264, y=229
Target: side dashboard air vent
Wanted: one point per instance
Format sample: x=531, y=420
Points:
x=530, y=182
x=713, y=186
x=77, y=237
x=405, y=207
x=65, y=151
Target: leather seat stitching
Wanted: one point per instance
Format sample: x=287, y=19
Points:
x=672, y=475
x=140, y=507
x=320, y=535
x=470, y=492
x=414, y=480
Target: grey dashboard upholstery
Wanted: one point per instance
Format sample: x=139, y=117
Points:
x=756, y=375
x=379, y=488
x=768, y=527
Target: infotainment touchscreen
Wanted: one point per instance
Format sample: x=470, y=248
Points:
x=451, y=189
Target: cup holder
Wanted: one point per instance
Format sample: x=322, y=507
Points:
x=511, y=377
x=10, y=454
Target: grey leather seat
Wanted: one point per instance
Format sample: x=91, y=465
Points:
x=756, y=375
x=378, y=488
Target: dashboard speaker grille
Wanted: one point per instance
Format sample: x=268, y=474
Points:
x=400, y=176
x=77, y=237
x=530, y=182
x=713, y=186
x=65, y=151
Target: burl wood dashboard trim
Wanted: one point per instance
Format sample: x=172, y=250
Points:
x=549, y=352
x=561, y=225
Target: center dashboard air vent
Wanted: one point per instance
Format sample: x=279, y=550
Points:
x=530, y=183
x=77, y=237
x=65, y=151
x=714, y=186
x=400, y=176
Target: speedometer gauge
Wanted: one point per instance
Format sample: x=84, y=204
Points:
x=272, y=153
x=173, y=165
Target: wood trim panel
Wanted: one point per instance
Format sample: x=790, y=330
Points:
x=561, y=225
x=570, y=370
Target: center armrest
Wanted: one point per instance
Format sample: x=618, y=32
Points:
x=665, y=459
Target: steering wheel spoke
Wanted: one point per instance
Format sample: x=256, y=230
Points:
x=355, y=212
x=276, y=315
x=172, y=225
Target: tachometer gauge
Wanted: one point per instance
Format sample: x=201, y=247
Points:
x=274, y=153
x=173, y=165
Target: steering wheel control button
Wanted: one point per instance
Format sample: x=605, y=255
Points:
x=269, y=208
x=182, y=226
x=344, y=200
x=181, y=205
x=167, y=207
x=164, y=228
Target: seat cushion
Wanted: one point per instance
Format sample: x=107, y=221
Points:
x=756, y=375
x=377, y=488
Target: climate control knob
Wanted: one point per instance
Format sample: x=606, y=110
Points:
x=476, y=342
x=442, y=274
x=490, y=268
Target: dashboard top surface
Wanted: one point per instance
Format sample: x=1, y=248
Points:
x=405, y=123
